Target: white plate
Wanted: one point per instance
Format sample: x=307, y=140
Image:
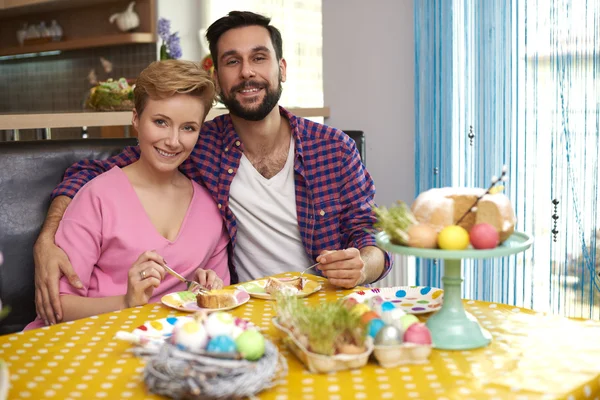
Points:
x=186, y=301
x=410, y=299
x=159, y=328
x=257, y=288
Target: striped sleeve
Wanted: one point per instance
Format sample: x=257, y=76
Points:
x=84, y=171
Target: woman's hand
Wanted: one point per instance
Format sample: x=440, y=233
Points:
x=208, y=279
x=144, y=276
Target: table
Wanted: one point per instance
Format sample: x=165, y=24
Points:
x=532, y=356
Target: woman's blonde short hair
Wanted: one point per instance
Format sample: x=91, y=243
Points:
x=163, y=79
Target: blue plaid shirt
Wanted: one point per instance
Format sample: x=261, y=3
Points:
x=334, y=191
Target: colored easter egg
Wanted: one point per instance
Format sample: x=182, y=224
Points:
x=189, y=335
x=393, y=317
x=368, y=317
x=360, y=309
x=453, y=237
x=219, y=323
x=221, y=344
x=350, y=302
x=418, y=334
x=389, y=335
x=484, y=236
x=251, y=344
x=407, y=320
x=422, y=236
x=387, y=306
x=374, y=327
x=240, y=325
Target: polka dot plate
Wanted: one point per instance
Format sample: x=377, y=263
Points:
x=410, y=299
x=186, y=301
x=160, y=328
x=257, y=288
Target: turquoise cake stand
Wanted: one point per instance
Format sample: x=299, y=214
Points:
x=452, y=328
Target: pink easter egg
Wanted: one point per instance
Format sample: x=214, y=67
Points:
x=418, y=334
x=484, y=236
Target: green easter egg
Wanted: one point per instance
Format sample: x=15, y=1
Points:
x=407, y=320
x=251, y=344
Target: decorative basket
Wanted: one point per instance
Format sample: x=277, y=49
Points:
x=183, y=375
x=111, y=96
x=319, y=363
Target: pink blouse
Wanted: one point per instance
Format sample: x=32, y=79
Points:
x=106, y=228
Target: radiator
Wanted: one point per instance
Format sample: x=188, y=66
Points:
x=403, y=273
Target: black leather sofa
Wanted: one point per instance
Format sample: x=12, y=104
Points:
x=29, y=171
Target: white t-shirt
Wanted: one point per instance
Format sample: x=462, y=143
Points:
x=268, y=238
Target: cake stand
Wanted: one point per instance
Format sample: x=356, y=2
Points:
x=452, y=328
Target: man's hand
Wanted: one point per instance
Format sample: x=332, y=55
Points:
x=50, y=262
x=343, y=268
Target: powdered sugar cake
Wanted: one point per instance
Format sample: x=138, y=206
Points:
x=441, y=207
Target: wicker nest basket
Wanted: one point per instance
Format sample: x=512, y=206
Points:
x=183, y=375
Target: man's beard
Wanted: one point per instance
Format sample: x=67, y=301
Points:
x=255, y=114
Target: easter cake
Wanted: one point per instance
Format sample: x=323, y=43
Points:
x=443, y=207
x=216, y=299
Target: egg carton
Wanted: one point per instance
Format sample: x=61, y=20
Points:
x=389, y=356
x=321, y=364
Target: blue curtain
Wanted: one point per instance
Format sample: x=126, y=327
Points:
x=516, y=83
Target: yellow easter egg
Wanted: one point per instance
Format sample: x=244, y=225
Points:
x=437, y=294
x=453, y=237
x=360, y=309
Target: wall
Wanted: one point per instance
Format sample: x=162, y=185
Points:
x=368, y=75
x=186, y=18
x=60, y=83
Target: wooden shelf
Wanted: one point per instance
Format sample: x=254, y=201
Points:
x=85, y=24
x=81, y=43
x=117, y=118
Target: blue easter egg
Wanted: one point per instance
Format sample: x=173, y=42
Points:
x=401, y=293
x=221, y=344
x=425, y=290
x=375, y=326
x=387, y=306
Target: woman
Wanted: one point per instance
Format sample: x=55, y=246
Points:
x=122, y=227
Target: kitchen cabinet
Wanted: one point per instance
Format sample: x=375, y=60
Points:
x=85, y=24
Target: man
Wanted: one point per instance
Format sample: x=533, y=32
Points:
x=291, y=191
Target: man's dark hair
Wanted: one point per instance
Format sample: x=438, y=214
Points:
x=239, y=19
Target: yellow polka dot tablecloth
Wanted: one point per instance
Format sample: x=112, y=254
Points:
x=532, y=356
